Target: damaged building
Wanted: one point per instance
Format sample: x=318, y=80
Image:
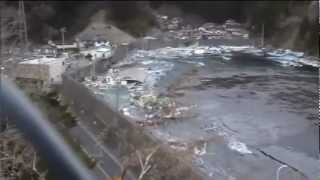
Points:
x=41, y=73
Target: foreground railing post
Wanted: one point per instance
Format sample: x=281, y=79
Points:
x=49, y=143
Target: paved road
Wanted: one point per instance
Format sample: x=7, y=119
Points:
x=86, y=134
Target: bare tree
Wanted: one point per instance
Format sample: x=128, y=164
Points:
x=17, y=156
x=137, y=158
x=145, y=165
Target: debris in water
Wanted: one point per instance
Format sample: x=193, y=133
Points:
x=149, y=123
x=201, y=151
x=198, y=161
x=226, y=58
x=179, y=146
x=239, y=146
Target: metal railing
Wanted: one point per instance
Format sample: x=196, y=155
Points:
x=49, y=143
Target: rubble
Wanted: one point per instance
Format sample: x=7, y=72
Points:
x=177, y=29
x=102, y=50
x=283, y=56
x=310, y=61
x=141, y=71
x=146, y=123
x=141, y=95
x=157, y=107
x=153, y=107
x=200, y=151
x=148, y=72
x=288, y=57
x=178, y=146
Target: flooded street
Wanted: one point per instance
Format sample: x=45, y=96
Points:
x=153, y=90
x=235, y=112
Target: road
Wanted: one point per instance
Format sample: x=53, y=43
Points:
x=86, y=134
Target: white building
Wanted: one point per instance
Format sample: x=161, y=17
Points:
x=40, y=73
x=98, y=53
x=102, y=43
x=74, y=47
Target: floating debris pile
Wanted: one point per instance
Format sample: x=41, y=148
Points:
x=290, y=58
x=139, y=78
x=176, y=28
x=141, y=71
x=100, y=51
x=285, y=57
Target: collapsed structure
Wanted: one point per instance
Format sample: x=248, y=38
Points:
x=176, y=28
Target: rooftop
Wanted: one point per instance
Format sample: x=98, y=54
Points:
x=43, y=60
x=66, y=46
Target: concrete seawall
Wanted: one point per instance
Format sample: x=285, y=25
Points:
x=123, y=137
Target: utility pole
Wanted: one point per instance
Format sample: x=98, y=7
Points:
x=262, y=36
x=23, y=34
x=93, y=70
x=1, y=74
x=1, y=60
x=318, y=123
x=19, y=24
x=2, y=29
x=3, y=122
x=117, y=87
x=63, y=30
x=1, y=40
x=117, y=96
x=24, y=25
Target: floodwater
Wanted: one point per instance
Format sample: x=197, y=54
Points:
x=238, y=107
x=250, y=104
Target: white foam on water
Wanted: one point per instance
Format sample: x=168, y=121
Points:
x=238, y=146
x=285, y=57
x=310, y=62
